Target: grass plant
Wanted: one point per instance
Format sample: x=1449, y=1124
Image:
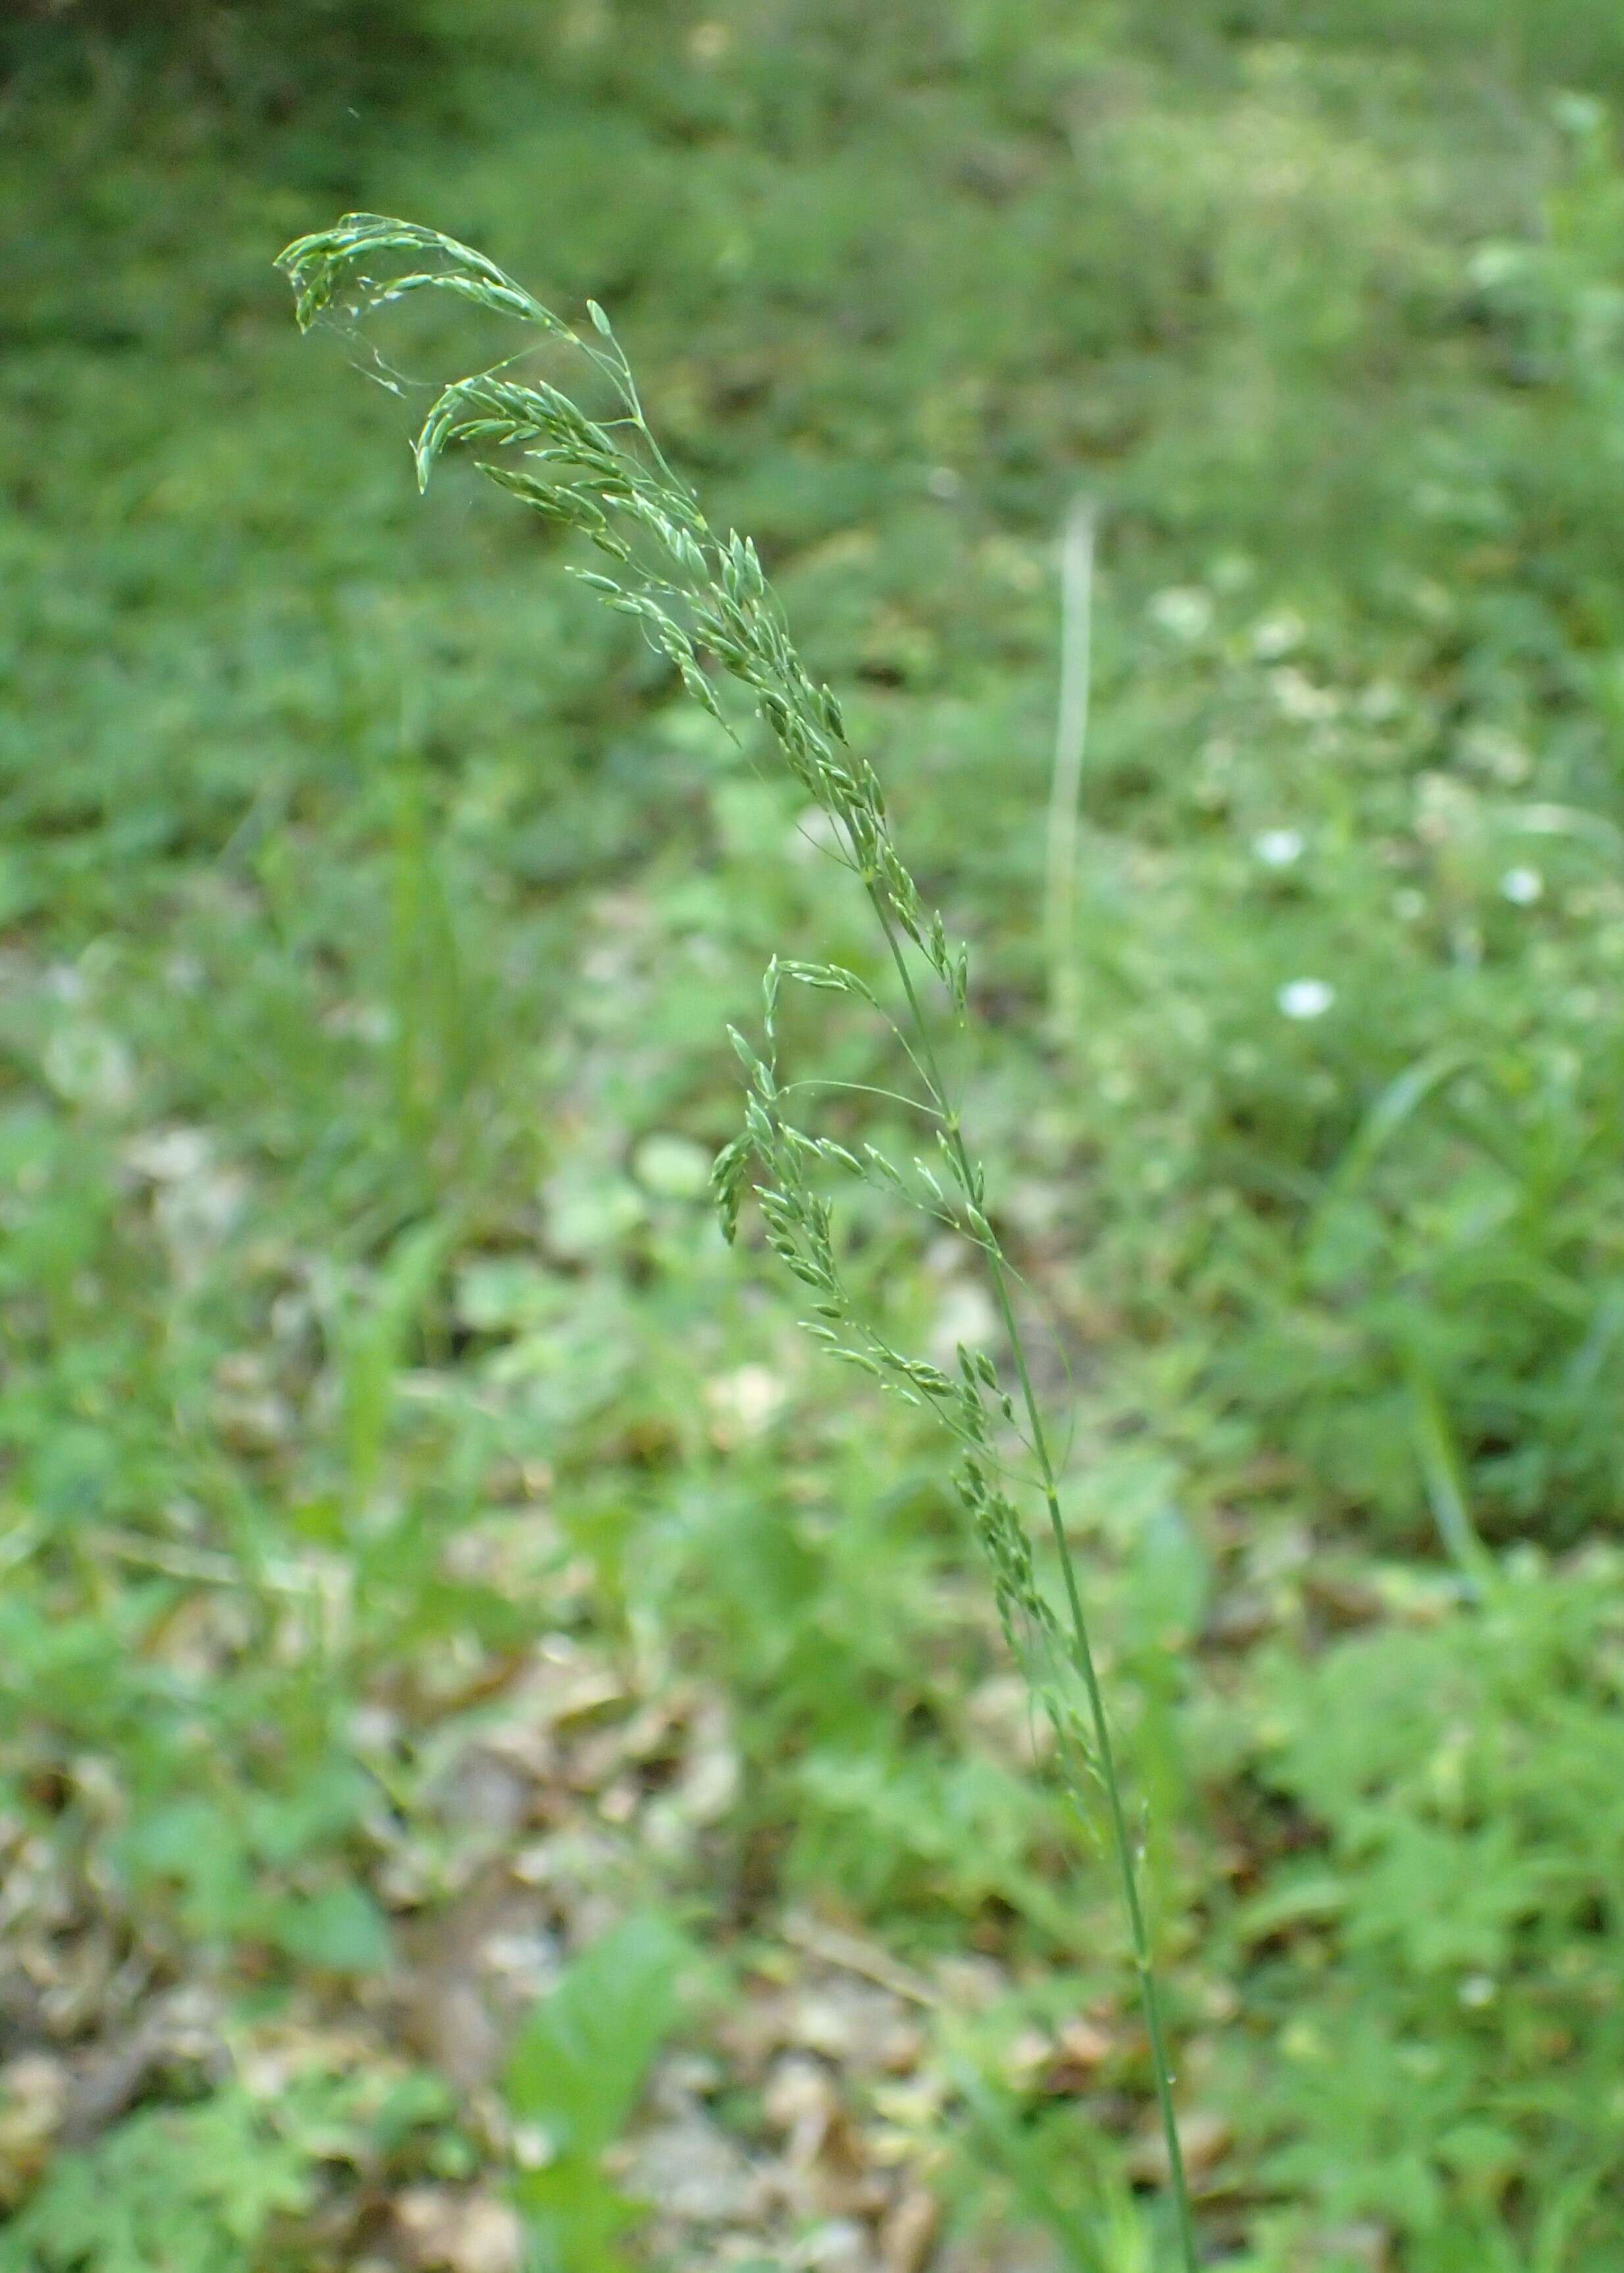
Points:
x=700, y=598
x=371, y=903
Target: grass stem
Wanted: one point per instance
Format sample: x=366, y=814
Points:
x=1077, y=550
x=702, y=601
x=1082, y=1651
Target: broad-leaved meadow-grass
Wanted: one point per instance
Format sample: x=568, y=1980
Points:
x=703, y=603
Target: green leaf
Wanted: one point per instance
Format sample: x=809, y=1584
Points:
x=170, y=2190
x=341, y=1930
x=575, y=2217
x=1168, y=1579
x=374, y=1340
x=576, y=2070
x=581, y=2057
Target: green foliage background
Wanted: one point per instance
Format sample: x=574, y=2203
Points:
x=373, y=909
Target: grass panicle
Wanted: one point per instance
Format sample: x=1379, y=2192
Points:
x=701, y=599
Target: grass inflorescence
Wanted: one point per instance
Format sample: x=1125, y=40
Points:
x=703, y=601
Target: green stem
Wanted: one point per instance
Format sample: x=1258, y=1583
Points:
x=1150, y=1994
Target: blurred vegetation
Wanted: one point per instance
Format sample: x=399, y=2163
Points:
x=373, y=909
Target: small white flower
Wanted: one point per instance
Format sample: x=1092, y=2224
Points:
x=1497, y=264
x=1278, y=848
x=672, y=1167
x=745, y=1403
x=87, y=1065
x=533, y=2146
x=1380, y=701
x=1305, y=998
x=170, y=1156
x=1184, y=610
x=1489, y=750
x=1299, y=699
x=707, y=42
x=1522, y=886
x=1277, y=636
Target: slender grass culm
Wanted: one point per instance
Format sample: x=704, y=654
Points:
x=696, y=594
x=1077, y=544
